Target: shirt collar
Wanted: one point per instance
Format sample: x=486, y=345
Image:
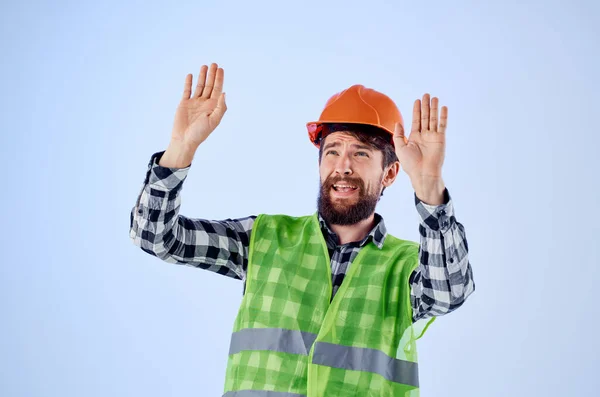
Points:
x=377, y=234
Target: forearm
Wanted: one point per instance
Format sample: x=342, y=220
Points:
x=443, y=280
x=155, y=217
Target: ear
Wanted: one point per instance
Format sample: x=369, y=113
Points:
x=391, y=173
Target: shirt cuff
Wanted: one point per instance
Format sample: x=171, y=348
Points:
x=164, y=178
x=436, y=217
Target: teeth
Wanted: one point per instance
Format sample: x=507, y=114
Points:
x=344, y=188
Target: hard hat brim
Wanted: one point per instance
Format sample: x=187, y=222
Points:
x=315, y=129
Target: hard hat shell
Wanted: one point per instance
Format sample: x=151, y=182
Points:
x=357, y=105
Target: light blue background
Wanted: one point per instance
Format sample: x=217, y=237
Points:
x=88, y=93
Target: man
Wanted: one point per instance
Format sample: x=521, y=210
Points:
x=331, y=301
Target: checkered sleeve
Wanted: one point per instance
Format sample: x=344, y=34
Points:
x=444, y=279
x=158, y=229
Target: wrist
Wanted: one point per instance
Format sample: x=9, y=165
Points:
x=429, y=189
x=177, y=155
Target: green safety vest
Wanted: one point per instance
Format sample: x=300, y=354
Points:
x=291, y=340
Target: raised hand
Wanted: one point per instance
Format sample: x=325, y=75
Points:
x=199, y=114
x=196, y=117
x=422, y=155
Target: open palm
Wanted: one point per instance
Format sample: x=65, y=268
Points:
x=199, y=114
x=422, y=154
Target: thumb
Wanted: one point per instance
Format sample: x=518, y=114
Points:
x=399, y=138
x=220, y=110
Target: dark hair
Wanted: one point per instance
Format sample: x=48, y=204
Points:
x=369, y=135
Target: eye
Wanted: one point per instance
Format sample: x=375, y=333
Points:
x=334, y=152
x=362, y=154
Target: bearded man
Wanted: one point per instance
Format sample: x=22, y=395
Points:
x=333, y=304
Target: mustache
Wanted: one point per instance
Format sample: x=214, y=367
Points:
x=332, y=180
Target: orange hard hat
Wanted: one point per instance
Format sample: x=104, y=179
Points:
x=357, y=105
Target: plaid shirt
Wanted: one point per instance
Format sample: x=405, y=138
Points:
x=439, y=285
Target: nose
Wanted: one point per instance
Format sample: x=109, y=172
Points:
x=343, y=166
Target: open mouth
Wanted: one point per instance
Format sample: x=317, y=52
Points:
x=344, y=188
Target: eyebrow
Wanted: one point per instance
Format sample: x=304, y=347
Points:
x=354, y=145
x=362, y=147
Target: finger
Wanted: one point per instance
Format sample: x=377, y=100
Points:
x=201, y=80
x=187, y=87
x=217, y=115
x=425, y=112
x=210, y=81
x=443, y=120
x=416, y=121
x=399, y=137
x=218, y=88
x=433, y=115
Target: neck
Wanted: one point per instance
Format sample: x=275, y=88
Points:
x=356, y=232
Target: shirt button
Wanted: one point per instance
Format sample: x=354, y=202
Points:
x=451, y=260
x=442, y=213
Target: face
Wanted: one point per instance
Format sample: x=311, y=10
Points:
x=352, y=179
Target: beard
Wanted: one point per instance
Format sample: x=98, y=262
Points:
x=342, y=212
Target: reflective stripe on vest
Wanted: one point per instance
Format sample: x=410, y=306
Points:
x=327, y=354
x=369, y=360
x=272, y=339
x=260, y=393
